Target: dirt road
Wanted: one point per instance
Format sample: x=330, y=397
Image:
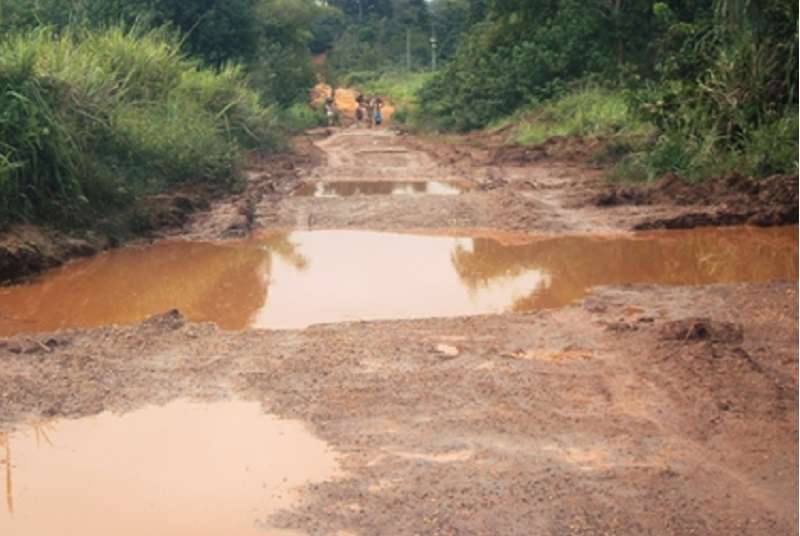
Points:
x=638, y=410
x=551, y=197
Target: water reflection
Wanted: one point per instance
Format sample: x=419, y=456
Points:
x=577, y=263
x=185, y=468
x=359, y=275
x=358, y=188
x=292, y=280
x=222, y=283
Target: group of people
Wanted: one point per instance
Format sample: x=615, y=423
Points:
x=368, y=111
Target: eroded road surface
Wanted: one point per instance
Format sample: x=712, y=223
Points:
x=407, y=345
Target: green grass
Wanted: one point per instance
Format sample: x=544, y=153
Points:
x=301, y=116
x=399, y=87
x=91, y=120
x=587, y=112
x=640, y=152
x=766, y=150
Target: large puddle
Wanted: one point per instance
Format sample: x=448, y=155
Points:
x=359, y=188
x=292, y=280
x=178, y=470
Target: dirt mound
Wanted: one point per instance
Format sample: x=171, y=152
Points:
x=26, y=250
x=166, y=210
x=562, y=148
x=702, y=329
x=171, y=320
x=733, y=199
x=672, y=189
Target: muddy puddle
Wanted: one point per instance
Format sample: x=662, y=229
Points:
x=184, y=468
x=295, y=279
x=358, y=188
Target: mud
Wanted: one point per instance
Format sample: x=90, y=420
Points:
x=355, y=188
x=640, y=408
x=549, y=423
x=26, y=250
x=733, y=200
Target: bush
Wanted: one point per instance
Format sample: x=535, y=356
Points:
x=591, y=111
x=300, y=117
x=400, y=88
x=763, y=151
x=89, y=120
x=359, y=78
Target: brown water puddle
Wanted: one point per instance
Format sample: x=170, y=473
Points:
x=292, y=280
x=182, y=469
x=359, y=188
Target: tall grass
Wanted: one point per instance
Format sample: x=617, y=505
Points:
x=590, y=111
x=768, y=149
x=90, y=120
x=398, y=86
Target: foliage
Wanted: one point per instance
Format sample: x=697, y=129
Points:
x=714, y=78
x=382, y=34
x=217, y=31
x=327, y=25
x=450, y=21
x=398, y=87
x=591, y=111
x=299, y=117
x=89, y=120
x=515, y=57
x=269, y=37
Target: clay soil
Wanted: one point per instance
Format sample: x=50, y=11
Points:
x=638, y=410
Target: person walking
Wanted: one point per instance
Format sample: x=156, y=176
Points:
x=359, y=109
x=370, y=111
x=330, y=111
x=378, y=114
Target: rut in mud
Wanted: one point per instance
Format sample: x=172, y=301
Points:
x=474, y=347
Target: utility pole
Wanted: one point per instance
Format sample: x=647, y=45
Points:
x=360, y=11
x=434, y=44
x=408, y=49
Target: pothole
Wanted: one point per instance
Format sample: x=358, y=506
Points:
x=367, y=188
x=289, y=280
x=203, y=469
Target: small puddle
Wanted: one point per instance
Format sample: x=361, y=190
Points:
x=293, y=280
x=357, y=188
x=182, y=469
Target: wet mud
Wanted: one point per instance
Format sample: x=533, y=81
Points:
x=663, y=410
x=635, y=383
x=733, y=200
x=358, y=188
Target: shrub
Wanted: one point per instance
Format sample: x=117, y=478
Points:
x=90, y=119
x=591, y=111
x=300, y=117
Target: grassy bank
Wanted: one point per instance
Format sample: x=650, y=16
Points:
x=91, y=121
x=640, y=150
x=586, y=112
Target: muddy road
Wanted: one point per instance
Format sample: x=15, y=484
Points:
x=410, y=336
